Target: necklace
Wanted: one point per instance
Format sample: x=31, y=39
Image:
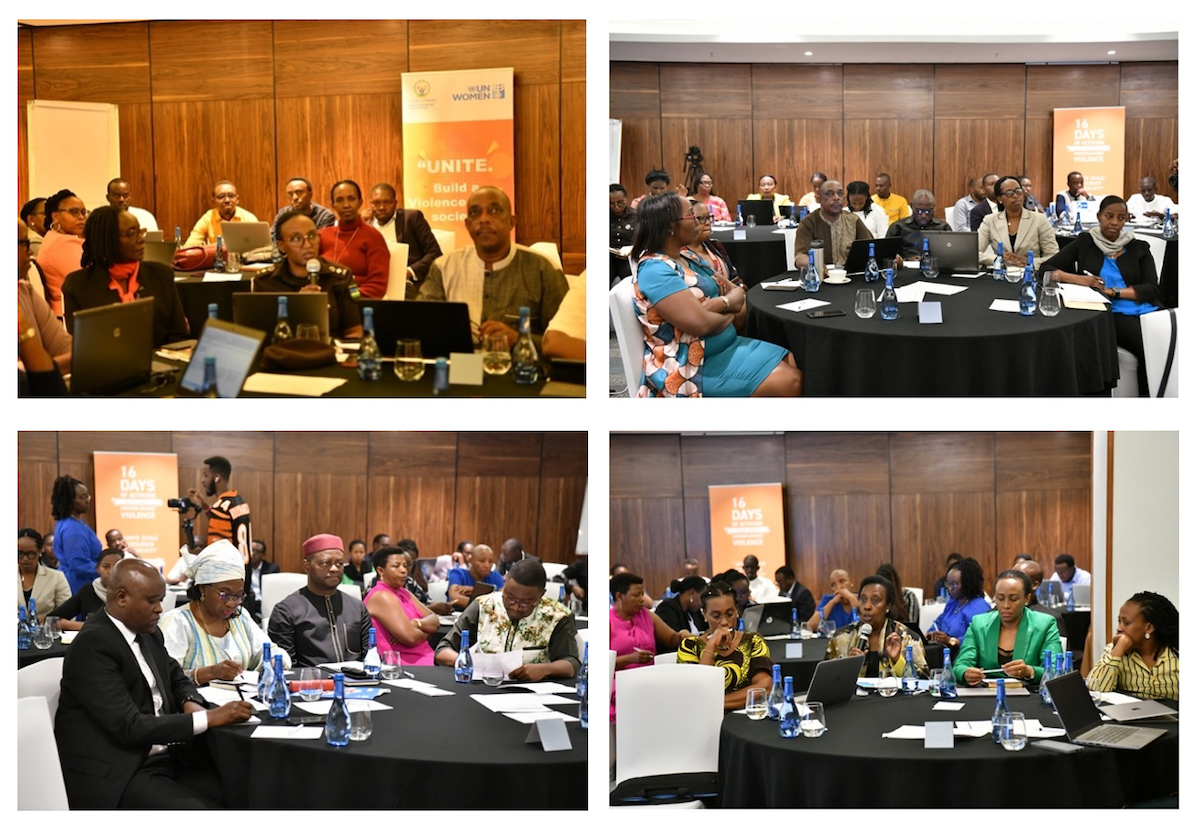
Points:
x=337, y=238
x=206, y=625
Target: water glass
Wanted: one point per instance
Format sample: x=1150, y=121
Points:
x=410, y=363
x=310, y=683
x=751, y=221
x=392, y=665
x=756, y=703
x=1050, y=303
x=497, y=358
x=233, y=262
x=308, y=331
x=935, y=683
x=1012, y=732
x=490, y=669
x=52, y=624
x=827, y=628
x=812, y=719
x=889, y=684
x=933, y=271
x=864, y=303
x=360, y=719
x=43, y=639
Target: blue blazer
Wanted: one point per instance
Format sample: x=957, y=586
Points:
x=1036, y=633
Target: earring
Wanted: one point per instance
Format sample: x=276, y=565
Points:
x=1147, y=635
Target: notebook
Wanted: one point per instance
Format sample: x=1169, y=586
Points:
x=442, y=328
x=112, y=347
x=1081, y=719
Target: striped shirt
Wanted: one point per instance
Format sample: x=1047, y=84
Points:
x=229, y=518
x=1130, y=675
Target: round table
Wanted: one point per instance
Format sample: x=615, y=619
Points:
x=762, y=253
x=33, y=654
x=419, y=756
x=853, y=766
x=973, y=352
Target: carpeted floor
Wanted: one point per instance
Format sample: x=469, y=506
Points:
x=617, y=388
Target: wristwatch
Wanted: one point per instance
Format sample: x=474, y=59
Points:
x=31, y=333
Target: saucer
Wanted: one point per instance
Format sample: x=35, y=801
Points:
x=832, y=281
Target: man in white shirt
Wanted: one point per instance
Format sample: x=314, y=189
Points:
x=118, y=195
x=1148, y=206
x=1066, y=572
x=960, y=217
x=407, y=226
x=761, y=588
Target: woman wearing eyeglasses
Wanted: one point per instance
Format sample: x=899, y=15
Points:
x=210, y=637
x=716, y=205
x=62, y=247
x=713, y=255
x=46, y=586
x=114, y=272
x=1019, y=229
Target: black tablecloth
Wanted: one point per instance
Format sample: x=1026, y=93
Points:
x=852, y=766
x=196, y=294
x=27, y=657
x=1077, y=624
x=430, y=753
x=762, y=253
x=973, y=352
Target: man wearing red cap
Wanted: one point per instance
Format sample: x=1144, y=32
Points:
x=320, y=624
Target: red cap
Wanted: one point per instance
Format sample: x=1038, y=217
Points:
x=323, y=541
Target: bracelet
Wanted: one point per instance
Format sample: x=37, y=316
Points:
x=726, y=300
x=31, y=333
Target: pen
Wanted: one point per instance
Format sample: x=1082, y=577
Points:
x=239, y=691
x=410, y=675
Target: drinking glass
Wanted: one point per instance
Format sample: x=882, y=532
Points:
x=933, y=268
x=52, y=624
x=935, y=683
x=827, y=628
x=756, y=703
x=310, y=683
x=889, y=684
x=497, y=358
x=1012, y=732
x=491, y=670
x=1050, y=303
x=308, y=331
x=751, y=221
x=864, y=303
x=391, y=665
x=410, y=363
x=43, y=638
x=233, y=262
x=360, y=719
x=812, y=719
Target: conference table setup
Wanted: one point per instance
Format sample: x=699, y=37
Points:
x=757, y=252
x=854, y=765
x=974, y=351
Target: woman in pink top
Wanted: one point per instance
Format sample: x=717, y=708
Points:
x=634, y=632
x=402, y=623
x=355, y=244
x=62, y=249
x=716, y=205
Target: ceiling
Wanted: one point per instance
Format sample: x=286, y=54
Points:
x=892, y=41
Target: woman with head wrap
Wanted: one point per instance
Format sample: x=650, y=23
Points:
x=210, y=637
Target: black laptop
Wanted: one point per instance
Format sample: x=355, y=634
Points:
x=112, y=347
x=835, y=681
x=442, y=328
x=886, y=249
x=261, y=310
x=763, y=210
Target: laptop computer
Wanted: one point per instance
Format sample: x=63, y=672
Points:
x=236, y=350
x=154, y=236
x=1141, y=710
x=261, y=310
x=885, y=251
x=956, y=251
x=442, y=328
x=161, y=252
x=762, y=210
x=769, y=618
x=835, y=681
x=1082, y=594
x=1081, y=719
x=241, y=237
x=112, y=347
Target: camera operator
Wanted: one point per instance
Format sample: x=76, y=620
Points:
x=228, y=517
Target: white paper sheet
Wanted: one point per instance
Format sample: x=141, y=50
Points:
x=530, y=717
x=272, y=384
x=1005, y=305
x=947, y=706
x=432, y=691
x=289, y=733
x=1080, y=293
x=803, y=305
x=510, y=703
x=407, y=683
x=321, y=707
x=504, y=661
x=545, y=688
x=220, y=697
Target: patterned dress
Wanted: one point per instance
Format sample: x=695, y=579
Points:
x=749, y=658
x=498, y=633
x=845, y=640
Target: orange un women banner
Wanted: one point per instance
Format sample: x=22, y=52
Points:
x=458, y=136
x=131, y=495
x=747, y=519
x=1091, y=141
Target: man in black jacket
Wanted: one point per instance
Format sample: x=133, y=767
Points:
x=801, y=597
x=408, y=227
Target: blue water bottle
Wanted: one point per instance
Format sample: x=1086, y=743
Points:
x=999, y=269
x=1168, y=228
x=889, y=306
x=926, y=260
x=872, y=274
x=23, y=638
x=908, y=680
x=789, y=718
x=582, y=689
x=775, y=698
x=795, y=633
x=266, y=674
x=371, y=663
x=337, y=722
x=464, y=668
x=949, y=688
x=1047, y=676
x=1000, y=715
x=812, y=280
x=1027, y=299
x=279, y=698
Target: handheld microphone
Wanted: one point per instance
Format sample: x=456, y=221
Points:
x=313, y=267
x=864, y=637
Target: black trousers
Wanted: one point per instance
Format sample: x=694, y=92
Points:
x=1129, y=337
x=167, y=782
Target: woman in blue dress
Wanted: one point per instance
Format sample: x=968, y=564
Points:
x=964, y=582
x=687, y=316
x=1119, y=266
x=75, y=544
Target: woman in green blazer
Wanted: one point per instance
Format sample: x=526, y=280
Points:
x=1011, y=638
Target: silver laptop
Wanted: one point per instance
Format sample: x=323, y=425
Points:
x=1081, y=719
x=835, y=681
x=769, y=618
x=241, y=237
x=112, y=347
x=955, y=250
x=1082, y=594
x=235, y=349
x=1141, y=710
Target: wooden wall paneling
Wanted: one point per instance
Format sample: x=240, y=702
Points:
x=24, y=94
x=697, y=535
x=1150, y=90
x=560, y=503
x=531, y=47
x=572, y=186
x=1070, y=85
x=243, y=69
x=942, y=462
x=634, y=99
x=428, y=454
x=836, y=463
x=979, y=91
x=306, y=452
x=722, y=142
x=499, y=454
x=537, y=132
x=574, y=51
x=1063, y=460
x=564, y=454
x=928, y=527
x=491, y=508
x=645, y=466
x=900, y=147
x=137, y=156
x=411, y=505
x=792, y=149
x=1150, y=146
x=782, y=91
x=1039, y=158
x=108, y=64
x=321, y=502
x=641, y=152
x=825, y=532
x=698, y=90
x=1043, y=524
x=887, y=91
x=647, y=535
x=730, y=459
x=968, y=147
x=77, y=447
x=359, y=56
x=37, y=467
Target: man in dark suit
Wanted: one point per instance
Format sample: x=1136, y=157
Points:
x=256, y=569
x=512, y=552
x=407, y=226
x=789, y=588
x=128, y=714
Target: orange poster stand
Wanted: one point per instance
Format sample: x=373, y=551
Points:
x=131, y=495
x=747, y=519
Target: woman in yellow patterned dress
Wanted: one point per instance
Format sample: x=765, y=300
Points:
x=743, y=656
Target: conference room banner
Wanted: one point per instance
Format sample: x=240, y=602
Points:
x=1091, y=141
x=131, y=495
x=747, y=519
x=458, y=136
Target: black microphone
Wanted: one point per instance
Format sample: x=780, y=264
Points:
x=864, y=637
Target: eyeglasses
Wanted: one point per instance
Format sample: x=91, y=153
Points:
x=27, y=554
x=78, y=213
x=706, y=219
x=520, y=603
x=923, y=211
x=225, y=596
x=135, y=233
x=1016, y=191
x=299, y=239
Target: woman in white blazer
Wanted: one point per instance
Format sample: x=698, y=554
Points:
x=46, y=586
x=1020, y=230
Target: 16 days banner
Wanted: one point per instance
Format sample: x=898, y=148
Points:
x=747, y=519
x=131, y=495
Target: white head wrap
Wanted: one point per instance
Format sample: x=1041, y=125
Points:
x=219, y=562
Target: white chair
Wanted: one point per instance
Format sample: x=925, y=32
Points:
x=168, y=603
x=1127, y=383
x=789, y=246
x=437, y=591
x=1063, y=640
x=368, y=580
x=1158, y=250
x=445, y=239
x=549, y=250
x=352, y=590
x=43, y=680
x=40, y=782
x=1159, y=341
x=949, y=214
x=920, y=593
x=35, y=279
x=555, y=591
x=397, y=271
x=668, y=724
x=581, y=643
x=666, y=659
x=553, y=569
x=630, y=339
x=277, y=586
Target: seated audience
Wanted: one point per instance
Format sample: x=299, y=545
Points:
x=1148, y=206
x=297, y=237
x=839, y=605
x=299, y=193
x=908, y=608
x=1114, y=262
x=566, y=334
x=354, y=244
x=210, y=637
x=40, y=323
x=459, y=558
x=1012, y=638
x=687, y=318
x=407, y=226
x=33, y=216
x=1031, y=200
x=114, y=271
x=960, y=217
x=256, y=569
x=657, y=181
x=119, y=194
x=836, y=229
x=635, y=632
x=889, y=640
x=318, y=623
x=761, y=589
x=89, y=599
x=964, y=582
x=893, y=204
x=494, y=277
x=681, y=610
x=767, y=191
x=45, y=586
x=812, y=198
x=1067, y=574
x=512, y=552
x=941, y=580
x=75, y=544
x=402, y=622
x=1143, y=658
x=1066, y=201
x=1017, y=229
x=62, y=246
x=789, y=588
x=860, y=203
x=208, y=226
x=986, y=207
x=737, y=580
x=519, y=618
x=913, y=228
x=48, y=557
x=357, y=565
x=621, y=219
x=116, y=539
x=120, y=740
x=716, y=205
x=478, y=569
x=575, y=576
x=742, y=655
x=712, y=253
x=1033, y=570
